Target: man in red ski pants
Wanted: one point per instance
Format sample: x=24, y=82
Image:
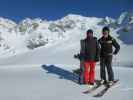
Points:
x=90, y=54
x=89, y=72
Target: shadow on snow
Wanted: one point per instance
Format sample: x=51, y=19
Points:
x=62, y=73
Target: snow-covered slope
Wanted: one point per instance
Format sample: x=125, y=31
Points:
x=53, y=82
x=59, y=40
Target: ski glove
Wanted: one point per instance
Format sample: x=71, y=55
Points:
x=77, y=56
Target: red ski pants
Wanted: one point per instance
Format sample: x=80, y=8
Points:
x=89, y=71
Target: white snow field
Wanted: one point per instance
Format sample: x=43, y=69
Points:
x=36, y=58
x=56, y=82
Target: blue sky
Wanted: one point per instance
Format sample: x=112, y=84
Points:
x=55, y=9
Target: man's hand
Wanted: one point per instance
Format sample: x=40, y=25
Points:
x=77, y=56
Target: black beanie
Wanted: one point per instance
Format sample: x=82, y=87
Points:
x=90, y=31
x=106, y=29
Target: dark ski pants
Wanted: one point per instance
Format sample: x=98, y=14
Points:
x=106, y=63
x=81, y=74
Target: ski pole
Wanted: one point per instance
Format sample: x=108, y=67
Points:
x=117, y=65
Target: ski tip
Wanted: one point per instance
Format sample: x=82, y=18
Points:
x=96, y=96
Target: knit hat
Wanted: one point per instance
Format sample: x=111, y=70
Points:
x=106, y=29
x=90, y=31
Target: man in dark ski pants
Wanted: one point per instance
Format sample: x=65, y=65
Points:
x=90, y=54
x=107, y=43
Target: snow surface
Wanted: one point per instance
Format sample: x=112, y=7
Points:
x=56, y=82
x=44, y=71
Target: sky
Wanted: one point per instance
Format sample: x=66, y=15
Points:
x=55, y=9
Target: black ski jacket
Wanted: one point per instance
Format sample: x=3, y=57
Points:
x=107, y=45
x=90, y=49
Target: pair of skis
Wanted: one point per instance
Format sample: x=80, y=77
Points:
x=94, y=88
x=103, y=91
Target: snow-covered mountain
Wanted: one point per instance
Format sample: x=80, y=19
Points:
x=61, y=36
x=126, y=27
x=32, y=33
